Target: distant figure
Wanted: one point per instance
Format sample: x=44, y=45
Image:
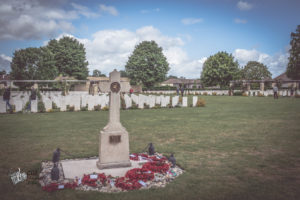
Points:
x=172, y=160
x=275, y=91
x=177, y=91
x=6, y=97
x=56, y=156
x=32, y=97
x=55, y=173
x=131, y=91
x=151, y=150
x=182, y=91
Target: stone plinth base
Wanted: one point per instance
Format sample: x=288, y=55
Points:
x=113, y=165
x=79, y=167
x=113, y=147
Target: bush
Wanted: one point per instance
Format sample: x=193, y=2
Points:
x=105, y=108
x=41, y=107
x=200, y=103
x=70, y=108
x=260, y=94
x=237, y=93
x=84, y=108
x=214, y=94
x=157, y=106
x=205, y=93
x=54, y=110
x=97, y=108
x=244, y=94
x=54, y=106
x=146, y=106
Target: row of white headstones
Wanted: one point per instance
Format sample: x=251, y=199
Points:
x=82, y=99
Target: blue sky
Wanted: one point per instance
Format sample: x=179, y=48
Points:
x=188, y=31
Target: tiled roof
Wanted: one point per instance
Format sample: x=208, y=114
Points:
x=282, y=77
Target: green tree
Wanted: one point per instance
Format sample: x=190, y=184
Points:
x=219, y=69
x=3, y=72
x=69, y=56
x=123, y=73
x=256, y=71
x=293, y=68
x=172, y=76
x=147, y=64
x=97, y=73
x=33, y=64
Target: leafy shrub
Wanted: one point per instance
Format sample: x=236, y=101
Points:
x=146, y=106
x=105, y=108
x=54, y=106
x=214, y=94
x=237, y=93
x=205, y=93
x=70, y=108
x=84, y=108
x=260, y=94
x=97, y=108
x=157, y=106
x=41, y=107
x=244, y=94
x=200, y=103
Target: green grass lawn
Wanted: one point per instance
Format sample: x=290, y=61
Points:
x=234, y=148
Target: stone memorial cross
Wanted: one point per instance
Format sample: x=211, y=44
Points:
x=114, y=140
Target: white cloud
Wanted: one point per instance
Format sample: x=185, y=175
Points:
x=5, y=62
x=243, y=5
x=276, y=64
x=240, y=21
x=189, y=21
x=36, y=19
x=110, y=49
x=109, y=9
x=84, y=11
x=5, y=57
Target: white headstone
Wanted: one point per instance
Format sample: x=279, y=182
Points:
x=128, y=101
x=175, y=100
x=141, y=101
x=135, y=98
x=47, y=103
x=18, y=105
x=2, y=106
x=151, y=101
x=195, y=99
x=184, y=102
x=91, y=102
x=34, y=106
x=157, y=100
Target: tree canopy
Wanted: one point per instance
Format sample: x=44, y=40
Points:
x=147, y=65
x=97, y=73
x=219, y=69
x=33, y=64
x=65, y=56
x=256, y=71
x=69, y=57
x=293, y=68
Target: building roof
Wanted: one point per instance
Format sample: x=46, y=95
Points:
x=181, y=81
x=282, y=77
